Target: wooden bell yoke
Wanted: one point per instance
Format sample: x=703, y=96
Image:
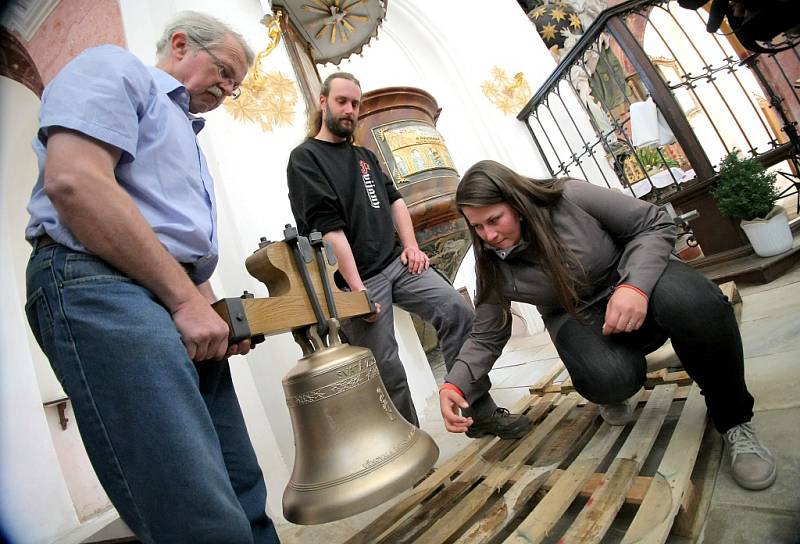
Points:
x=298, y=273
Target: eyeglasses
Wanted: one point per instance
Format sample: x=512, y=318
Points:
x=225, y=71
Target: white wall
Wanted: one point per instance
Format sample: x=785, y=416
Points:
x=31, y=481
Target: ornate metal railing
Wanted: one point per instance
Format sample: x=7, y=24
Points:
x=712, y=94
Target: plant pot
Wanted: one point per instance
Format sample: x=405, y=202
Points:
x=771, y=235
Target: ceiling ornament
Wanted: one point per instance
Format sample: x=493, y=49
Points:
x=509, y=94
x=558, y=24
x=334, y=29
x=268, y=98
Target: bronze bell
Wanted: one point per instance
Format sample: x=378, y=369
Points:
x=353, y=449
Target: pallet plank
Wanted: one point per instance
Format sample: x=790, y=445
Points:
x=551, y=374
x=419, y=520
x=546, y=514
x=595, y=519
x=498, y=474
x=655, y=516
x=528, y=480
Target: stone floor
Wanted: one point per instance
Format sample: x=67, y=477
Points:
x=771, y=334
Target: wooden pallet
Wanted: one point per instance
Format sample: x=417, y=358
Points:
x=522, y=491
x=572, y=478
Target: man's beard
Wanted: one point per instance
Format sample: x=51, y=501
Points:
x=336, y=127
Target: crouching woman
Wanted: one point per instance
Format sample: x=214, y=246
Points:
x=599, y=267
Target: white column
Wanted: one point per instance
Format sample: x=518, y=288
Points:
x=35, y=504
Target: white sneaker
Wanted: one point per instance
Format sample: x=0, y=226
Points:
x=752, y=464
x=619, y=413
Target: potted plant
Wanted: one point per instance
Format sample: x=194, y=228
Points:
x=746, y=191
x=652, y=160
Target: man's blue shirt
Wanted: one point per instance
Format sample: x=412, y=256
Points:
x=110, y=95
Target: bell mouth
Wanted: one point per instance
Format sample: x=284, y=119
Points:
x=311, y=504
x=353, y=449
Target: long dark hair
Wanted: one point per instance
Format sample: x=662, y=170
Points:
x=315, y=115
x=489, y=182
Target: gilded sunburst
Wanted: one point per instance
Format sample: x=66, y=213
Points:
x=509, y=94
x=336, y=19
x=270, y=102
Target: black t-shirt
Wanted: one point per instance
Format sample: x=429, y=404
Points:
x=341, y=186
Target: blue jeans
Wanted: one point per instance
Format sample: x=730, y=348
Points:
x=165, y=436
x=685, y=307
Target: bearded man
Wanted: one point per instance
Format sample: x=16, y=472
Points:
x=340, y=190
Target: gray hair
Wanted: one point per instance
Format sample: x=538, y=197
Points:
x=202, y=29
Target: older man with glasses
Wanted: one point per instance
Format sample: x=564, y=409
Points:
x=124, y=234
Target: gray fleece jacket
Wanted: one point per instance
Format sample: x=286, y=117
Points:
x=617, y=239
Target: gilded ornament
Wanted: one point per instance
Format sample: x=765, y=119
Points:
x=558, y=24
x=538, y=12
x=508, y=94
x=548, y=32
x=336, y=20
x=267, y=98
x=558, y=14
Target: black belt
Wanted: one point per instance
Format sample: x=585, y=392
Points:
x=44, y=241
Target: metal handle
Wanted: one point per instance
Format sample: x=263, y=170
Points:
x=302, y=256
x=315, y=238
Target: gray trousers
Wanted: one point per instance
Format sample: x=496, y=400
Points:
x=431, y=297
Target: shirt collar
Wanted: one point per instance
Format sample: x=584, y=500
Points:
x=175, y=90
x=508, y=252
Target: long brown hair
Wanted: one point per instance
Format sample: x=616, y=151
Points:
x=489, y=182
x=315, y=115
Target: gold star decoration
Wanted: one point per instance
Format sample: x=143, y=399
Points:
x=538, y=12
x=574, y=21
x=270, y=102
x=558, y=14
x=508, y=94
x=548, y=32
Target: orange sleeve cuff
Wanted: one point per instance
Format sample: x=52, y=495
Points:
x=629, y=286
x=452, y=387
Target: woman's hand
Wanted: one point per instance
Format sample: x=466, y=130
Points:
x=450, y=404
x=626, y=310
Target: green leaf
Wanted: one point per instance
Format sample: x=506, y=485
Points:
x=744, y=190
